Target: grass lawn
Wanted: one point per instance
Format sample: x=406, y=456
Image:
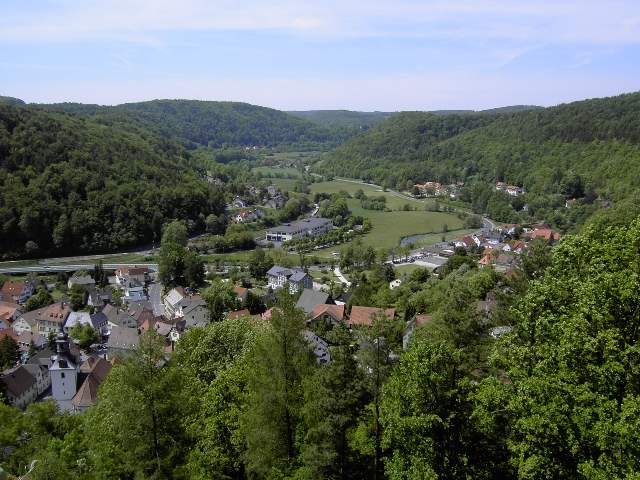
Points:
x=433, y=238
x=402, y=270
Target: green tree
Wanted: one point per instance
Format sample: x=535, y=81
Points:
x=41, y=298
x=220, y=298
x=259, y=264
x=171, y=264
x=279, y=361
x=9, y=352
x=175, y=232
x=85, y=334
x=334, y=396
x=139, y=417
x=77, y=297
x=193, y=269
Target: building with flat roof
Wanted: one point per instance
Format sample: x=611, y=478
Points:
x=308, y=227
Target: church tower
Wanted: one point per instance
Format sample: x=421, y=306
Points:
x=64, y=374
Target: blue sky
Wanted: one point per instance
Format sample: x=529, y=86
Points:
x=354, y=54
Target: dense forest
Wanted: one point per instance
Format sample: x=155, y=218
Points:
x=356, y=121
x=556, y=396
x=556, y=153
x=215, y=124
x=71, y=184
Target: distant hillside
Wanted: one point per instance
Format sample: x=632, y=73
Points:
x=343, y=118
x=69, y=183
x=593, y=145
x=208, y=123
x=10, y=101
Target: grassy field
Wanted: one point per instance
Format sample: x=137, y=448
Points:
x=283, y=172
x=390, y=227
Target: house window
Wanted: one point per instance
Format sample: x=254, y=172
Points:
x=62, y=375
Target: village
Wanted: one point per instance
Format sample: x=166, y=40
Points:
x=67, y=348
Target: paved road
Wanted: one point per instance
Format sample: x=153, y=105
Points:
x=155, y=298
x=73, y=267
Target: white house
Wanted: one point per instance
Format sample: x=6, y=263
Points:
x=297, y=279
x=81, y=280
x=20, y=387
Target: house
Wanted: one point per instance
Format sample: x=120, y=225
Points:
x=486, y=260
x=99, y=321
x=122, y=341
x=319, y=346
x=308, y=227
x=81, y=280
x=245, y=216
x=172, y=302
x=195, y=313
x=92, y=373
x=297, y=279
x=118, y=317
x=51, y=319
x=20, y=387
x=545, y=233
x=9, y=313
x=241, y=293
x=133, y=290
x=329, y=314
x=98, y=298
x=16, y=292
x=42, y=376
x=277, y=201
x=393, y=284
x=504, y=261
x=311, y=298
x=28, y=339
x=417, y=322
x=28, y=321
x=138, y=274
x=364, y=316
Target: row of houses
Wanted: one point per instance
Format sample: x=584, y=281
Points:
x=436, y=189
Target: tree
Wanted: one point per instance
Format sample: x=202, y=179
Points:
x=77, y=297
x=175, y=232
x=279, y=362
x=85, y=334
x=171, y=264
x=425, y=414
x=99, y=275
x=220, y=298
x=334, y=396
x=9, y=352
x=42, y=298
x=259, y=264
x=139, y=417
x=571, y=399
x=193, y=269
x=376, y=355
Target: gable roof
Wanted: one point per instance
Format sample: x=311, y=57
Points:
x=56, y=312
x=123, y=338
x=96, y=366
x=175, y=295
x=310, y=299
x=334, y=311
x=18, y=381
x=12, y=288
x=78, y=318
x=87, y=394
x=365, y=315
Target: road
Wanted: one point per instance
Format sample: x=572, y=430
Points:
x=155, y=298
x=74, y=267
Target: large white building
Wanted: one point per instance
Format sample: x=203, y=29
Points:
x=308, y=227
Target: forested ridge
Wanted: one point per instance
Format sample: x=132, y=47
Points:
x=209, y=123
x=597, y=140
x=71, y=184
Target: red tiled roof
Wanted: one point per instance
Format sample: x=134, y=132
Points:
x=365, y=315
x=238, y=314
x=133, y=271
x=97, y=367
x=334, y=311
x=12, y=288
x=57, y=312
x=545, y=233
x=240, y=291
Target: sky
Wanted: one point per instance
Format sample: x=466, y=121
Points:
x=299, y=55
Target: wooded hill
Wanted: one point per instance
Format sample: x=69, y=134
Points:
x=215, y=124
x=72, y=183
x=541, y=149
